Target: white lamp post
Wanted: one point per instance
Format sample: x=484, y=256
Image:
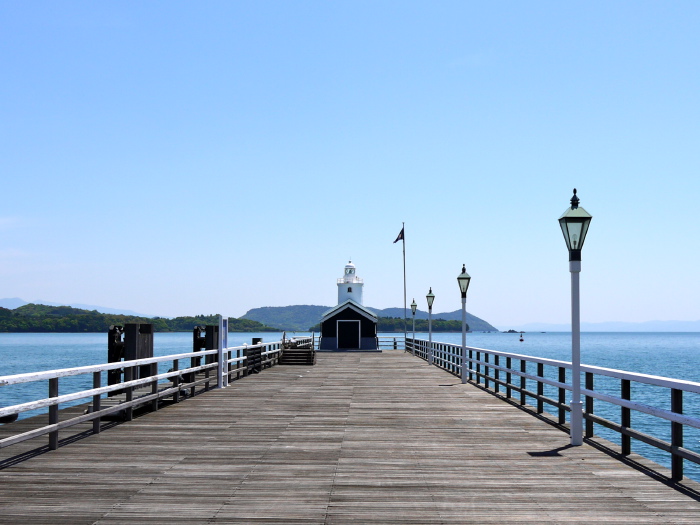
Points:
x=463, y=280
x=430, y=298
x=413, y=310
x=574, y=224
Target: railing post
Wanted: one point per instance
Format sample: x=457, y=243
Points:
x=220, y=363
x=626, y=416
x=129, y=392
x=471, y=366
x=478, y=368
x=96, y=383
x=53, y=413
x=486, y=370
x=496, y=373
x=176, y=381
x=589, y=404
x=509, y=390
x=676, y=435
x=540, y=388
x=562, y=396
x=523, y=381
x=154, y=387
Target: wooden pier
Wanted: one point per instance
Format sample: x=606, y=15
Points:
x=358, y=438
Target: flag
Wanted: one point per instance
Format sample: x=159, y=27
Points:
x=400, y=237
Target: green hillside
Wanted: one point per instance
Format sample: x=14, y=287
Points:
x=46, y=319
x=475, y=323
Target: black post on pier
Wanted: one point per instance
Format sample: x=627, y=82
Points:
x=115, y=353
x=129, y=342
x=198, y=344
x=211, y=342
x=138, y=344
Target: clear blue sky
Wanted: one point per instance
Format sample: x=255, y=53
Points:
x=210, y=157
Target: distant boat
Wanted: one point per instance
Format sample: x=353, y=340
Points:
x=521, y=337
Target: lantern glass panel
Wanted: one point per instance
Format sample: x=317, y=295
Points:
x=463, y=279
x=574, y=225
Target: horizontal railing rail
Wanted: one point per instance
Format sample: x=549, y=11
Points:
x=506, y=373
x=67, y=372
x=391, y=342
x=181, y=382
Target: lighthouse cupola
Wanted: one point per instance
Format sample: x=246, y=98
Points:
x=350, y=285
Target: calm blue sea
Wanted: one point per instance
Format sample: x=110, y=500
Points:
x=675, y=355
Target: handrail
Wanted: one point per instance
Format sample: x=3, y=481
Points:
x=688, y=386
x=486, y=366
x=29, y=377
x=391, y=342
x=181, y=380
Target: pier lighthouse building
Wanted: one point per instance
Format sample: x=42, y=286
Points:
x=349, y=326
x=350, y=285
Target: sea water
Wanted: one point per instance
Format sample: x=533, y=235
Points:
x=668, y=354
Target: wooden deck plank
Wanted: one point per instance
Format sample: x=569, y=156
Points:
x=358, y=438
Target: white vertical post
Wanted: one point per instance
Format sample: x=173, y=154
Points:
x=222, y=355
x=464, y=339
x=576, y=424
x=430, y=335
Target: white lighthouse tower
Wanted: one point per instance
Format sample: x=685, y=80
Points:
x=350, y=285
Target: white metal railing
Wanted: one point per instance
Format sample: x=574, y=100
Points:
x=391, y=342
x=236, y=360
x=497, y=369
x=384, y=342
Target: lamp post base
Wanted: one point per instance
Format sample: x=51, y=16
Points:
x=576, y=426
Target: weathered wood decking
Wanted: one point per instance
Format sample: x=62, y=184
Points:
x=358, y=438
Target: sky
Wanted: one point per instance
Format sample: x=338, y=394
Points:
x=180, y=158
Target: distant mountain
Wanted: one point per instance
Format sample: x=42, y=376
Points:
x=12, y=303
x=647, y=326
x=16, y=302
x=302, y=317
x=476, y=324
x=297, y=318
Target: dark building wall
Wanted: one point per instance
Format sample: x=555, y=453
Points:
x=368, y=330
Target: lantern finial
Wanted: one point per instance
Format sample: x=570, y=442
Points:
x=574, y=201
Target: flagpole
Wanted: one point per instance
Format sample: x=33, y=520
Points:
x=403, y=226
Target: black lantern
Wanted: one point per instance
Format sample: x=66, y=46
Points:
x=413, y=307
x=463, y=280
x=574, y=224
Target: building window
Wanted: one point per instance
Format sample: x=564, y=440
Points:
x=349, y=289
